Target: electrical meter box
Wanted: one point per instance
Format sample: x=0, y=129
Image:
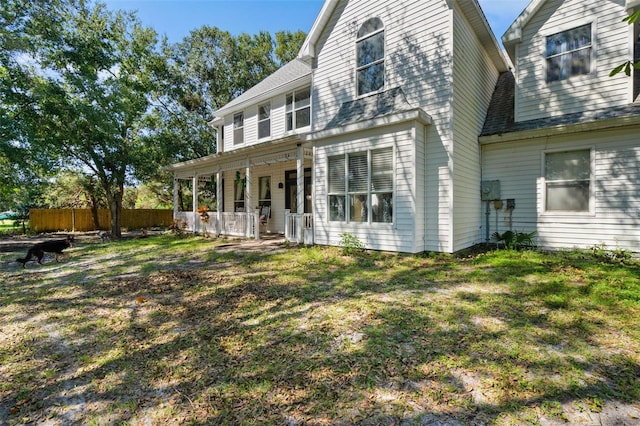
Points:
x=490, y=190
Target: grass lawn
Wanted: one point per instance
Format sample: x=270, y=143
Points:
x=167, y=330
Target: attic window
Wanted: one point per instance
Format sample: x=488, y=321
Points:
x=569, y=53
x=370, y=56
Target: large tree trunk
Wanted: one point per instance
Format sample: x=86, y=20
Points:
x=115, y=207
x=94, y=211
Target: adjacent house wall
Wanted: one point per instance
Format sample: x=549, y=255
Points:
x=616, y=217
x=535, y=98
x=474, y=79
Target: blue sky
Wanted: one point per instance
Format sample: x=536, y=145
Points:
x=176, y=18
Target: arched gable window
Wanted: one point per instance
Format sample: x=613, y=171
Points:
x=370, y=56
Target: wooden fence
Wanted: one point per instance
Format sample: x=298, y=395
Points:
x=42, y=220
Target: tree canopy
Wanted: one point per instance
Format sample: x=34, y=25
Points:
x=93, y=90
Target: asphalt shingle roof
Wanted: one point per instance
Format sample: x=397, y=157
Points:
x=289, y=72
x=370, y=107
x=500, y=115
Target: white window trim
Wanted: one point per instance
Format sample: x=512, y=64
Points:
x=383, y=61
x=263, y=120
x=593, y=73
x=592, y=181
x=347, y=224
x=293, y=93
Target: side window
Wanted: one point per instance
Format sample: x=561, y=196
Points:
x=370, y=57
x=567, y=178
x=264, y=121
x=298, y=109
x=569, y=53
x=238, y=128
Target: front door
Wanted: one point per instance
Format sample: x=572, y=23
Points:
x=291, y=190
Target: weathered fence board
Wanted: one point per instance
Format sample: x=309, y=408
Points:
x=42, y=220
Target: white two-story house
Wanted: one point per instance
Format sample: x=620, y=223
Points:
x=397, y=115
x=562, y=136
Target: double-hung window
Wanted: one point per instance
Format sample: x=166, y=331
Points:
x=370, y=57
x=238, y=128
x=567, y=181
x=264, y=121
x=569, y=53
x=298, y=113
x=361, y=186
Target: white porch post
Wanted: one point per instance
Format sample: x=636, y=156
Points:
x=300, y=194
x=247, y=198
x=219, y=206
x=196, y=218
x=175, y=197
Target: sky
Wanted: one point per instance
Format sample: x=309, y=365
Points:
x=176, y=18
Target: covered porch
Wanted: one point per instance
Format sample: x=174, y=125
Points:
x=248, y=192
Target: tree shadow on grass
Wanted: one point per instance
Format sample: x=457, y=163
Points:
x=309, y=336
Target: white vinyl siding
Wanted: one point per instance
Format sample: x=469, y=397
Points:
x=421, y=31
x=474, y=81
x=252, y=123
x=400, y=235
x=537, y=98
x=615, y=219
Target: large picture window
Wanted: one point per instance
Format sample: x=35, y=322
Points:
x=361, y=186
x=238, y=128
x=264, y=121
x=370, y=57
x=567, y=181
x=569, y=53
x=298, y=109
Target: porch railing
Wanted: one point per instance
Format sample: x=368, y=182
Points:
x=298, y=228
x=236, y=224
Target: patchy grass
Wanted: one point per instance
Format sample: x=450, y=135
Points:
x=187, y=330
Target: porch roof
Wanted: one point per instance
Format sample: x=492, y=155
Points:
x=284, y=149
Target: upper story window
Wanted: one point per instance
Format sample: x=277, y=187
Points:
x=370, y=56
x=569, y=53
x=238, y=128
x=264, y=121
x=299, y=109
x=361, y=186
x=567, y=178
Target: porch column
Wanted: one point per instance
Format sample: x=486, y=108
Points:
x=175, y=197
x=300, y=176
x=196, y=217
x=219, y=206
x=247, y=198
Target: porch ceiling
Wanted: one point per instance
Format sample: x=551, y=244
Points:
x=266, y=153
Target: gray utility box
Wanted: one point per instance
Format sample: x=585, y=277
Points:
x=490, y=190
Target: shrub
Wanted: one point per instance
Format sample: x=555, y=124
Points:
x=351, y=244
x=515, y=240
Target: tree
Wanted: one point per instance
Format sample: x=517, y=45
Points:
x=288, y=45
x=88, y=95
x=630, y=64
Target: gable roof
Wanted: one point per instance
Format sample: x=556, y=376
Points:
x=290, y=76
x=500, y=115
x=513, y=35
x=471, y=9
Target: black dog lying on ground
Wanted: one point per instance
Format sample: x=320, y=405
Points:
x=39, y=249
